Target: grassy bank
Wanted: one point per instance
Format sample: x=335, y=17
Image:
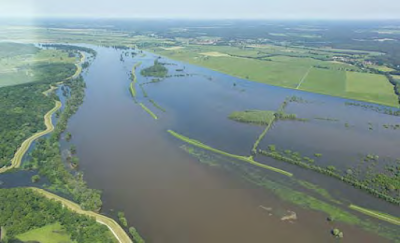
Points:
x=385, y=217
x=114, y=227
x=134, y=79
x=148, y=111
x=242, y=158
x=262, y=135
x=156, y=105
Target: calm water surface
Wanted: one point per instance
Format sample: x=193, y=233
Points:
x=170, y=197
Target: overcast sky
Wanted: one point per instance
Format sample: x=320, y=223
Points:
x=281, y=9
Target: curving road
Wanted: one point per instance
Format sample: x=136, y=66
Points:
x=114, y=227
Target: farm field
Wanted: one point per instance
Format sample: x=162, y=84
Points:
x=292, y=68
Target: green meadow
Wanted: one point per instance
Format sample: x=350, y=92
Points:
x=53, y=233
x=290, y=67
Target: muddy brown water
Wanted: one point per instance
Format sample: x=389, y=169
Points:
x=165, y=193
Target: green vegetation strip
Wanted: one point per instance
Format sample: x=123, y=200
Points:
x=156, y=105
x=148, y=111
x=114, y=227
x=262, y=135
x=242, y=158
x=134, y=79
x=257, y=117
x=375, y=214
x=16, y=161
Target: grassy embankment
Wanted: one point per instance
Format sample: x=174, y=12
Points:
x=148, y=111
x=17, y=159
x=262, y=135
x=385, y=217
x=157, y=105
x=242, y=158
x=114, y=227
x=134, y=79
x=318, y=76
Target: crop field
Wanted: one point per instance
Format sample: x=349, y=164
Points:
x=370, y=87
x=53, y=233
x=325, y=81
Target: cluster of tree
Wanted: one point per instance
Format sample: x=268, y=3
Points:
x=380, y=186
x=379, y=109
x=22, y=108
x=132, y=231
x=70, y=48
x=23, y=210
x=396, y=84
x=157, y=70
x=46, y=156
x=280, y=115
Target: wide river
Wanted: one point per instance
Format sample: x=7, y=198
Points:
x=169, y=196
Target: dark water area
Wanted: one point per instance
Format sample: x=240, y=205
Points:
x=20, y=178
x=168, y=195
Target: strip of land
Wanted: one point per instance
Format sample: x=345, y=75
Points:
x=148, y=111
x=242, y=158
x=114, y=227
x=304, y=78
x=378, y=215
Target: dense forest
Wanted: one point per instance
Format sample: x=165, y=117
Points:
x=22, y=210
x=157, y=70
x=22, y=108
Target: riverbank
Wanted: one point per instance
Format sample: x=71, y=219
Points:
x=17, y=160
x=114, y=227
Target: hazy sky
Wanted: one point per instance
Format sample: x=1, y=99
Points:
x=323, y=9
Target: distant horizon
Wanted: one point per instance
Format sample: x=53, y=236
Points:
x=205, y=9
x=193, y=18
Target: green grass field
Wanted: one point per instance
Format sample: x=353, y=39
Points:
x=19, y=62
x=289, y=68
x=53, y=233
x=325, y=81
x=370, y=87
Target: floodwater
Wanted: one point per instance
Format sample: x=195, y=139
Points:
x=168, y=195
